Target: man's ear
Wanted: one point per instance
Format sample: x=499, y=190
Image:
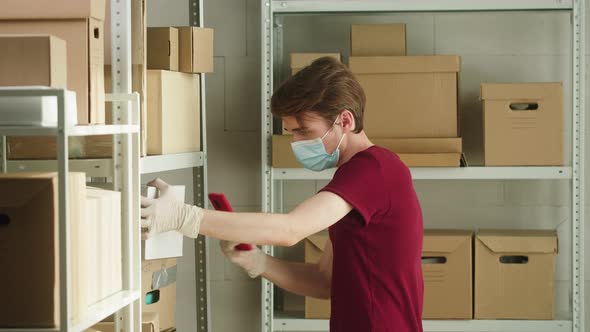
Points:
x=347, y=121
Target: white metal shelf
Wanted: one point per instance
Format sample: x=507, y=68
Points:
x=102, y=309
x=360, y=6
x=168, y=162
x=285, y=322
x=444, y=173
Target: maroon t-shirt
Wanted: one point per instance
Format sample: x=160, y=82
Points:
x=377, y=280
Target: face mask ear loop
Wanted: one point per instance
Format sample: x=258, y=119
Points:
x=329, y=130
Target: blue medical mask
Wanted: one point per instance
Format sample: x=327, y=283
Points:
x=312, y=153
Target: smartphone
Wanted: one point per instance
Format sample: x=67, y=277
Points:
x=220, y=203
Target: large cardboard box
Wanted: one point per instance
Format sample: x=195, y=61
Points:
x=162, y=48
x=33, y=60
x=314, y=248
x=150, y=322
x=195, y=49
x=80, y=24
x=523, y=124
x=424, y=152
x=29, y=221
x=174, y=112
x=159, y=293
x=409, y=96
x=378, y=39
x=301, y=60
x=447, y=271
x=514, y=274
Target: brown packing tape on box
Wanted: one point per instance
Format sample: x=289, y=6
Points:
x=409, y=96
x=378, y=39
x=514, y=274
x=447, y=271
x=195, y=49
x=84, y=47
x=314, y=248
x=166, y=303
x=33, y=60
x=523, y=124
x=173, y=112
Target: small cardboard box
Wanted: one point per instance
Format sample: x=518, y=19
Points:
x=158, y=293
x=314, y=248
x=514, y=274
x=523, y=124
x=84, y=48
x=162, y=48
x=424, y=152
x=174, y=112
x=29, y=247
x=447, y=270
x=301, y=60
x=150, y=322
x=282, y=154
x=409, y=96
x=33, y=60
x=167, y=244
x=378, y=39
x=195, y=49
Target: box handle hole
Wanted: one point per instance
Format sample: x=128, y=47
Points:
x=434, y=260
x=514, y=259
x=96, y=33
x=524, y=106
x=169, y=49
x=4, y=219
x=152, y=297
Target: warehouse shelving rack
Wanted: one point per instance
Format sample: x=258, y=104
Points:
x=272, y=178
x=124, y=171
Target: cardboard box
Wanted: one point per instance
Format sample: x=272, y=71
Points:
x=104, y=217
x=301, y=60
x=52, y=9
x=84, y=48
x=195, y=49
x=409, y=96
x=167, y=244
x=174, y=112
x=514, y=274
x=28, y=241
x=156, y=299
x=523, y=124
x=447, y=271
x=45, y=147
x=314, y=248
x=378, y=39
x=431, y=159
x=33, y=60
x=420, y=145
x=282, y=154
x=150, y=322
x=162, y=48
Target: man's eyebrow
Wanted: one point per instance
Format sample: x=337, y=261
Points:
x=299, y=129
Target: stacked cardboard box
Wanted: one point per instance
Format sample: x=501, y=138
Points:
x=523, y=124
x=409, y=98
x=29, y=206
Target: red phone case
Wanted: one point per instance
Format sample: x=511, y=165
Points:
x=220, y=203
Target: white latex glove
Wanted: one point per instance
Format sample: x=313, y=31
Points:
x=252, y=261
x=166, y=213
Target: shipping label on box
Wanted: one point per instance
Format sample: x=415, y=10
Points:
x=195, y=49
x=378, y=39
x=523, y=124
x=514, y=274
x=447, y=271
x=162, y=48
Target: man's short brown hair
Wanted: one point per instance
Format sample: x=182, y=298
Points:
x=326, y=87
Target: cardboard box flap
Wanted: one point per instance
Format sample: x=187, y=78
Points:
x=444, y=241
x=319, y=241
x=518, y=91
x=538, y=241
x=404, y=64
x=52, y=9
x=300, y=60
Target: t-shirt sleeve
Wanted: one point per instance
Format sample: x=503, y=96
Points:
x=360, y=182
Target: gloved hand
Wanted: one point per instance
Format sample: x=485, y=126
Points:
x=166, y=213
x=252, y=261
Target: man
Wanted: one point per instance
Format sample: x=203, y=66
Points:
x=371, y=267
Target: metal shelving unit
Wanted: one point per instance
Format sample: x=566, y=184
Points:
x=272, y=178
x=122, y=302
